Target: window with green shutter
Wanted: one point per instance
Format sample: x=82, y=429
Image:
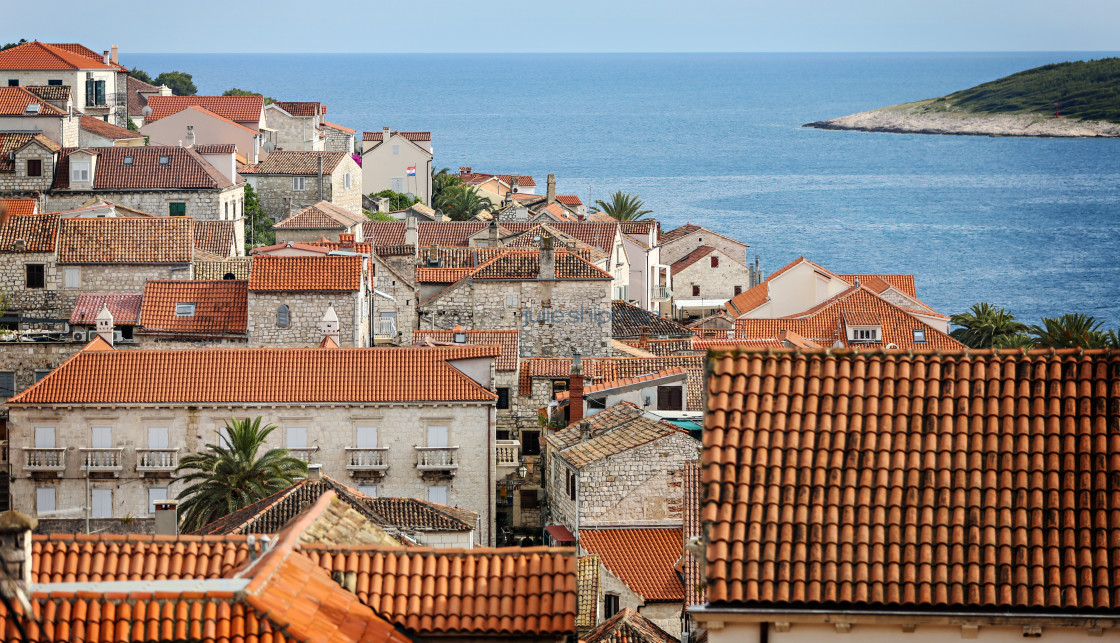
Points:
x=177, y=209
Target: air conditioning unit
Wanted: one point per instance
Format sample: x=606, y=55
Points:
x=118, y=336
x=78, y=335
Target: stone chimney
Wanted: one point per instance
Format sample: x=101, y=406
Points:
x=492, y=232
x=386, y=134
x=113, y=55
x=167, y=517
x=328, y=325
x=550, y=195
x=575, y=390
x=410, y=234
x=320, y=157
x=433, y=255
x=314, y=472
x=105, y=56
x=514, y=182
x=584, y=431
x=465, y=169
x=643, y=337
x=15, y=552
x=105, y=325
x=548, y=259
x=190, y=136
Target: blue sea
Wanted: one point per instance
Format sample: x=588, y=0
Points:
x=716, y=139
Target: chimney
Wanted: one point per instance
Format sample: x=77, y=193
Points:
x=105, y=57
x=190, y=135
x=383, y=204
x=328, y=325
x=346, y=240
x=550, y=195
x=410, y=235
x=320, y=157
x=493, y=232
x=386, y=134
x=114, y=51
x=464, y=169
x=433, y=255
x=514, y=182
x=314, y=472
x=548, y=265
x=167, y=517
x=584, y=431
x=575, y=390
x=105, y=325
x=643, y=337
x=15, y=553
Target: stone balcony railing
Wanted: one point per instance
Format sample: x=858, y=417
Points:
x=376, y=459
x=156, y=460
x=661, y=292
x=437, y=458
x=385, y=327
x=45, y=459
x=507, y=453
x=101, y=460
x=303, y=453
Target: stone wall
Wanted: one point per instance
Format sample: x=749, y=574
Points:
x=18, y=183
x=116, y=277
x=347, y=198
x=305, y=310
x=284, y=235
x=294, y=132
x=330, y=431
x=403, y=303
x=37, y=302
x=715, y=283
x=671, y=252
x=201, y=204
x=25, y=358
x=338, y=141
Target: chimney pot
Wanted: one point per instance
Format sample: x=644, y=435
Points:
x=104, y=324
x=328, y=325
x=386, y=133
x=314, y=472
x=105, y=57
x=167, y=517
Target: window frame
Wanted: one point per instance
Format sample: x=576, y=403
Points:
x=285, y=313
x=445, y=491
x=40, y=493
x=96, y=506
x=920, y=336
x=79, y=171
x=4, y=389
x=177, y=208
x=37, y=164
x=347, y=180
x=40, y=271
x=503, y=397
x=695, y=290
x=299, y=183
x=185, y=308
x=154, y=491
x=715, y=261
x=71, y=277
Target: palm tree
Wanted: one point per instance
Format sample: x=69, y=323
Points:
x=463, y=202
x=1072, y=330
x=983, y=324
x=1018, y=340
x=624, y=207
x=442, y=181
x=227, y=477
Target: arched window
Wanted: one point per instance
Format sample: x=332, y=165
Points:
x=229, y=276
x=283, y=319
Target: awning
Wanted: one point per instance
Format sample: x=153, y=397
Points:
x=560, y=534
x=699, y=303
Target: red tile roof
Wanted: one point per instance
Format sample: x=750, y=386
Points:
x=215, y=237
x=322, y=215
x=408, y=136
x=82, y=50
x=440, y=233
x=220, y=306
x=506, y=339
x=628, y=626
x=39, y=233
x=185, y=169
x=80, y=558
x=136, y=100
x=615, y=430
x=414, y=514
x=283, y=375
x=18, y=207
x=689, y=228
x=902, y=283
x=479, y=592
x=125, y=308
x=570, y=200
x=440, y=275
x=607, y=385
x=14, y=102
x=40, y=55
x=242, y=109
x=160, y=240
x=525, y=264
x=297, y=163
x=300, y=108
x=106, y=130
x=644, y=559
x=334, y=273
x=338, y=127
x=693, y=492
x=973, y=480
x=475, y=178
x=628, y=320
x=12, y=141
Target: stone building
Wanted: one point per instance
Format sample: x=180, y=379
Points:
x=247, y=111
x=28, y=269
x=704, y=279
x=288, y=296
x=338, y=138
x=288, y=181
x=124, y=307
x=395, y=294
x=321, y=220
x=678, y=242
x=94, y=132
x=185, y=314
x=27, y=163
x=412, y=422
x=296, y=125
x=397, y=161
x=97, y=82
x=24, y=109
x=195, y=125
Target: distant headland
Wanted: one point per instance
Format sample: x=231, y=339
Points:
x=1073, y=99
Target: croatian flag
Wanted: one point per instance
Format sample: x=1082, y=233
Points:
x=411, y=170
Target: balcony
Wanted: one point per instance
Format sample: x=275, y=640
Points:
x=303, y=453
x=367, y=459
x=101, y=460
x=385, y=327
x=41, y=460
x=437, y=458
x=507, y=453
x=661, y=292
x=156, y=460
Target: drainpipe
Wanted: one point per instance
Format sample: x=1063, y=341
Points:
x=358, y=311
x=320, y=177
x=490, y=410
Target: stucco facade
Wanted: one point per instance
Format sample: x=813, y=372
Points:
x=678, y=247
x=114, y=104
x=60, y=129
x=385, y=167
x=208, y=128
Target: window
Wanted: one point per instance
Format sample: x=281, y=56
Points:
x=396, y=150
x=437, y=436
x=669, y=398
x=511, y=300
x=72, y=277
x=102, y=503
x=347, y=180
x=297, y=437
x=44, y=437
x=503, y=398
x=368, y=489
x=34, y=167
x=13, y=82
x=365, y=437
x=54, y=82
x=164, y=159
x=184, y=309
x=437, y=493
x=610, y=605
x=41, y=374
x=7, y=383
x=95, y=92
x=79, y=171
x=283, y=319
x=596, y=402
x=696, y=291
x=44, y=500
x=919, y=335
x=529, y=499
x=715, y=262
x=865, y=334
x=501, y=434
x=129, y=159
x=158, y=438
x=396, y=185
x=101, y=437
x=155, y=494
x=559, y=386
x=299, y=183
x=177, y=209
x=530, y=442
x=570, y=482
x=738, y=290
x=36, y=275
x=227, y=211
x=126, y=332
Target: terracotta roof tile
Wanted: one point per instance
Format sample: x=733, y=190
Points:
x=587, y=580
x=159, y=240
x=480, y=591
x=644, y=559
x=125, y=308
x=272, y=514
x=608, y=385
x=600, y=234
x=334, y=273
x=638, y=227
x=570, y=200
x=628, y=320
x=954, y=480
x=613, y=368
x=219, y=306
x=409, y=136
x=185, y=169
x=506, y=339
x=749, y=299
x=216, y=148
x=39, y=232
x=338, y=127
x=692, y=257
x=264, y=375
x=233, y=268
x=41, y=55
x=241, y=109
x=15, y=100
x=475, y=178
x=903, y=283
x=107, y=130
x=298, y=163
x=693, y=492
x=214, y=237
x=414, y=514
x=689, y=228
x=12, y=141
x=322, y=215
x=306, y=108
x=136, y=100
x=615, y=430
x=628, y=626
x=440, y=275
x=58, y=93
x=71, y=558
x=18, y=207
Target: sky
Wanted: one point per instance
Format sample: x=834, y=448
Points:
x=504, y=26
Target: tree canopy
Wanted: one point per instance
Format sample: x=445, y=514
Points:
x=233, y=91
x=623, y=207
x=13, y=44
x=463, y=202
x=983, y=325
x=397, y=201
x=140, y=74
x=181, y=83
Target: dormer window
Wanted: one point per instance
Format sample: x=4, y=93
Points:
x=79, y=172
x=128, y=160
x=164, y=159
x=865, y=335
x=919, y=335
x=184, y=309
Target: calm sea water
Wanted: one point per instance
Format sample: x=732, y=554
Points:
x=716, y=139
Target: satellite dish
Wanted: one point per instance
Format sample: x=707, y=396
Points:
x=147, y=111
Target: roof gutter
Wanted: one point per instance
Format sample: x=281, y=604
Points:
x=752, y=614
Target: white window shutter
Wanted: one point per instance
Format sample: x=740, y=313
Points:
x=44, y=437
x=366, y=437
x=297, y=437
x=102, y=503
x=437, y=436
x=437, y=493
x=102, y=437
x=158, y=438
x=44, y=500
x=155, y=494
